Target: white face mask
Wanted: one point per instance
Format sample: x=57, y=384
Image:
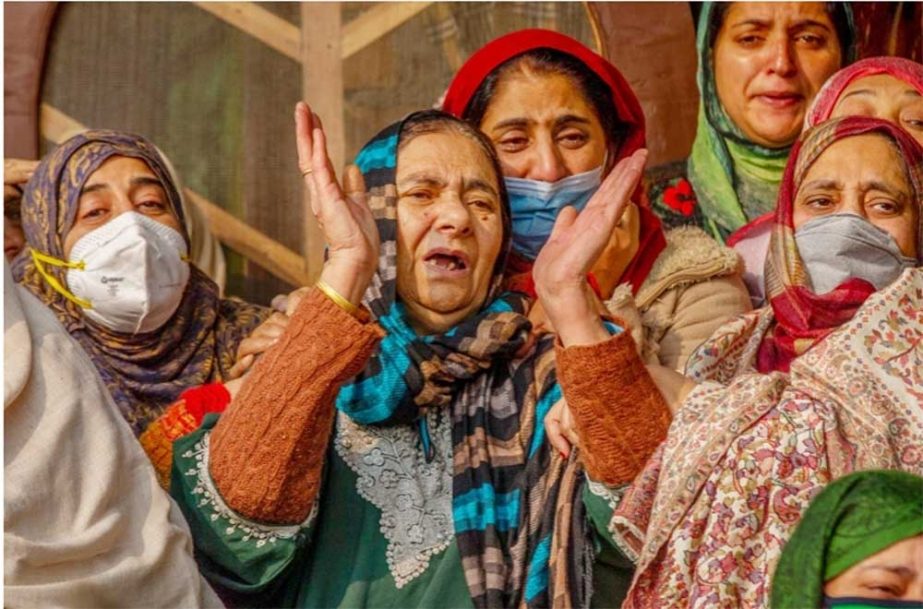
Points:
x=837, y=247
x=129, y=275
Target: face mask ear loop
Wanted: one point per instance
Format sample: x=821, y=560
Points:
x=39, y=258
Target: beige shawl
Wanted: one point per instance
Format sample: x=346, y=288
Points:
x=85, y=523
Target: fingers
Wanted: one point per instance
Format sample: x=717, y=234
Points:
x=294, y=299
x=240, y=367
x=555, y=437
x=616, y=190
x=566, y=218
x=18, y=171
x=354, y=185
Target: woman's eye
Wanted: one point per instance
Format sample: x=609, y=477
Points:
x=419, y=196
x=96, y=212
x=886, y=207
x=811, y=40
x=819, y=203
x=573, y=139
x=749, y=40
x=913, y=122
x=152, y=205
x=513, y=143
x=482, y=204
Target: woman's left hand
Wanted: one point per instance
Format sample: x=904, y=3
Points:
x=575, y=244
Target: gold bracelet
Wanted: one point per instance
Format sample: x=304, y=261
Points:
x=337, y=298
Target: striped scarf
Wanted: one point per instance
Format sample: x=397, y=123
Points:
x=505, y=480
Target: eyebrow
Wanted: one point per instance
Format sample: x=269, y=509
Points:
x=427, y=179
x=909, y=92
x=138, y=181
x=522, y=122
x=768, y=23
x=897, y=569
x=826, y=184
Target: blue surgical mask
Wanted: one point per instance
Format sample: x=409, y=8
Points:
x=534, y=205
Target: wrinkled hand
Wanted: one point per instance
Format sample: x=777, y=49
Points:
x=561, y=429
x=262, y=338
x=575, y=243
x=345, y=219
x=18, y=171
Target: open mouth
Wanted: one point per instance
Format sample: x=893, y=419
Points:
x=447, y=260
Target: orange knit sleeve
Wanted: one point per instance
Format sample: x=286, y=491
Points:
x=267, y=451
x=620, y=415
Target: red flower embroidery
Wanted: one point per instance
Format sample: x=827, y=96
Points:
x=680, y=197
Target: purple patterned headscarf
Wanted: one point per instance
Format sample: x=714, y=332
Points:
x=145, y=373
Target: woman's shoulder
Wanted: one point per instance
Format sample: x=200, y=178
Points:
x=690, y=257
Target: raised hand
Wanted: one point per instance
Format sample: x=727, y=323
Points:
x=345, y=218
x=18, y=171
x=575, y=243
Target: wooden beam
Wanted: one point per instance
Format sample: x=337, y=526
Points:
x=257, y=247
x=375, y=23
x=266, y=27
x=322, y=88
x=282, y=262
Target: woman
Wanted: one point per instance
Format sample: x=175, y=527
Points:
x=889, y=88
x=760, y=65
x=427, y=471
x=560, y=117
x=823, y=381
x=107, y=253
x=859, y=544
x=84, y=524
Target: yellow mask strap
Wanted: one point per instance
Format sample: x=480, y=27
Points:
x=39, y=259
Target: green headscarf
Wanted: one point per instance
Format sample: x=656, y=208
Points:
x=853, y=518
x=735, y=180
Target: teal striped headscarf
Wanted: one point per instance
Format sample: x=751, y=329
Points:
x=735, y=180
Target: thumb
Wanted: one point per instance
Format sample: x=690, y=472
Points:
x=565, y=219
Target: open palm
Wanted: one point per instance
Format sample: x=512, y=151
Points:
x=345, y=218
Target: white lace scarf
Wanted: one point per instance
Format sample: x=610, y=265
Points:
x=415, y=497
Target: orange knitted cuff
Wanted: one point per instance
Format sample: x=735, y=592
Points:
x=267, y=451
x=620, y=415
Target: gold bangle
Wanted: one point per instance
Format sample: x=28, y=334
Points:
x=337, y=298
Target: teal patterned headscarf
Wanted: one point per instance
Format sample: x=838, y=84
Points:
x=853, y=518
x=735, y=180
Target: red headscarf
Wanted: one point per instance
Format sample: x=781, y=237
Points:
x=625, y=106
x=822, y=107
x=802, y=318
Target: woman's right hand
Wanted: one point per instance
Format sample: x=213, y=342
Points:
x=345, y=219
x=18, y=171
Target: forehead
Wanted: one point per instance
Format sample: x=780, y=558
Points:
x=119, y=166
x=443, y=156
x=858, y=158
x=525, y=93
x=882, y=85
x=776, y=12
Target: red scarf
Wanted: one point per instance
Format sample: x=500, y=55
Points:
x=802, y=318
x=625, y=106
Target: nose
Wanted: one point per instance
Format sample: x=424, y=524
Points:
x=452, y=217
x=547, y=164
x=782, y=61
